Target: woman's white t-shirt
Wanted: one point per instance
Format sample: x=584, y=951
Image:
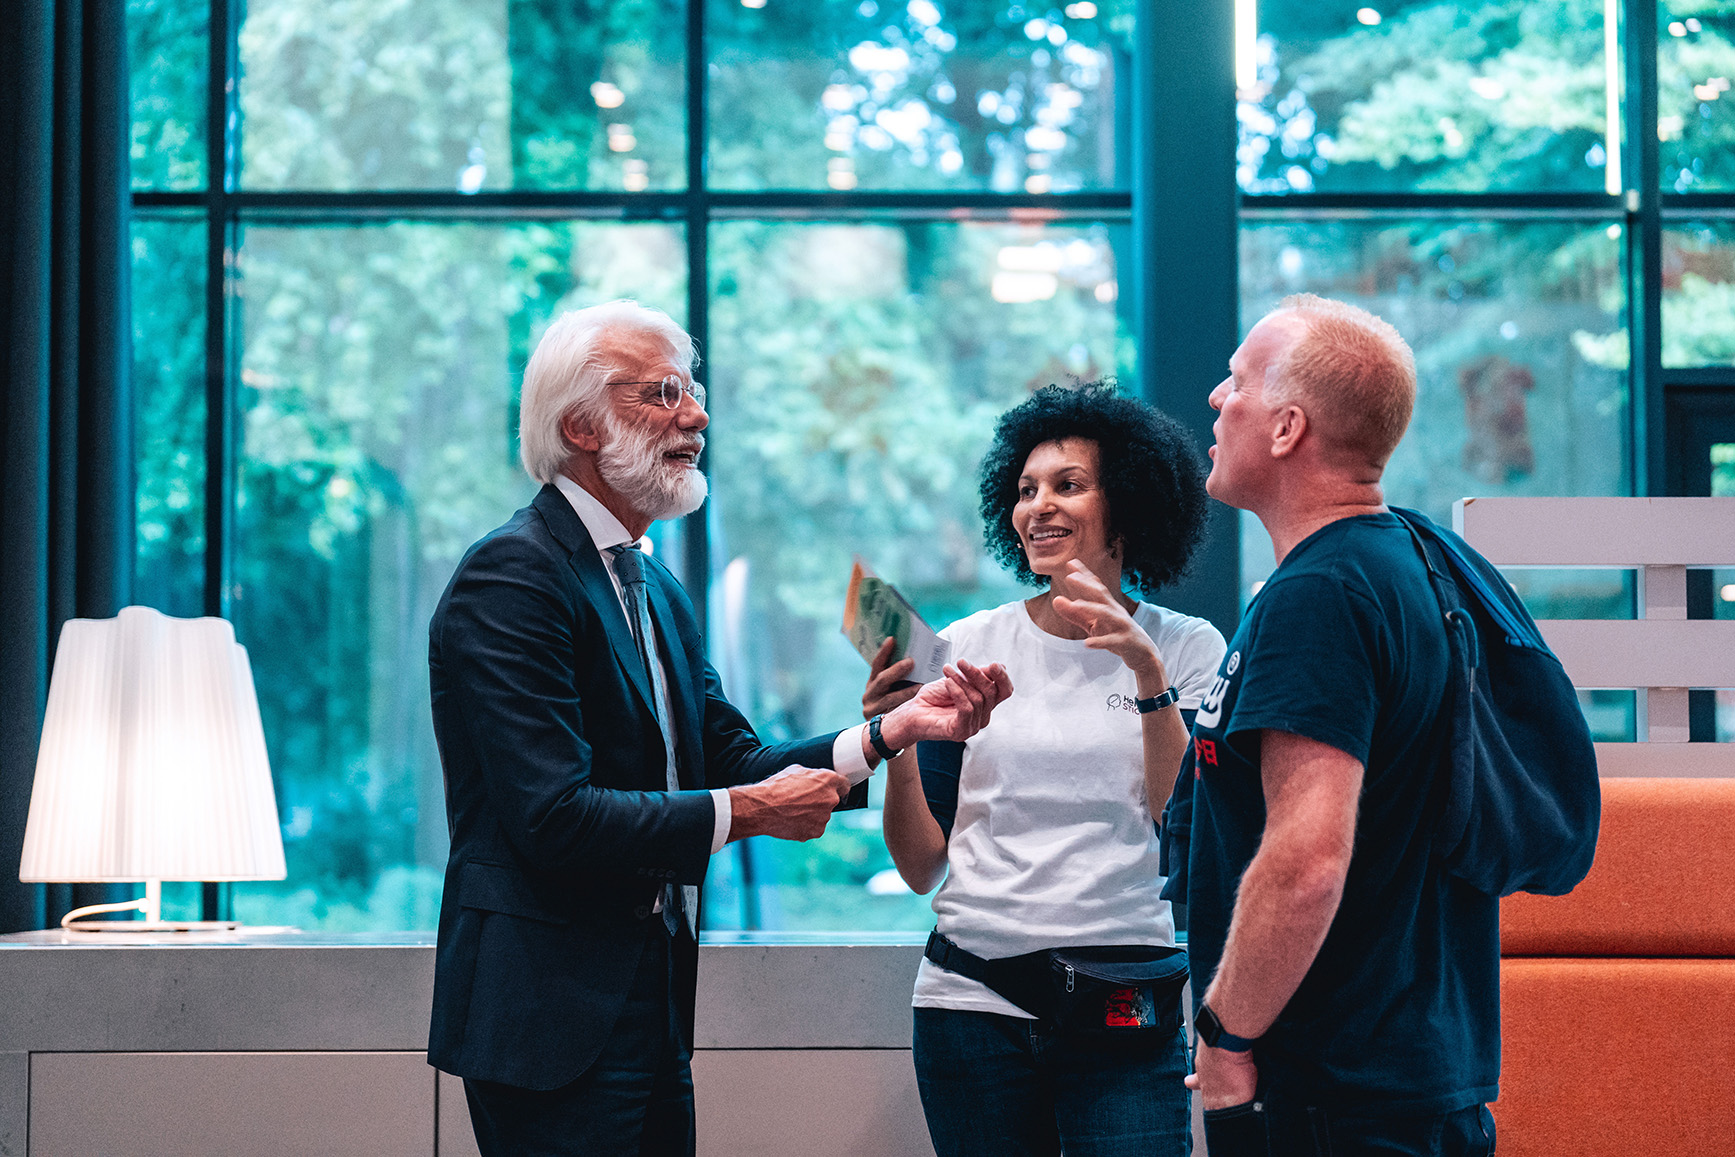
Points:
x=1053, y=843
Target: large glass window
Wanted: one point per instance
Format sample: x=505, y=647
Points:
x=1696, y=112
x=1519, y=333
x=378, y=440
x=1476, y=172
x=973, y=95
x=858, y=371
x=1699, y=293
x=884, y=221
x=463, y=94
x=409, y=192
x=1408, y=95
x=168, y=48
x=169, y=395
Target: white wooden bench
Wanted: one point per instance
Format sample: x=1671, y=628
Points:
x=1661, y=654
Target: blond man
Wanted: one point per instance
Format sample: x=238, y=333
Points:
x=1349, y=987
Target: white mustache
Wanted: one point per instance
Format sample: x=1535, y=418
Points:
x=694, y=446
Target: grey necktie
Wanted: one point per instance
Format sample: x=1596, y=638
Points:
x=629, y=567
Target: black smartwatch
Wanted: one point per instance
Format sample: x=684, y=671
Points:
x=1156, y=702
x=1212, y=1032
x=877, y=742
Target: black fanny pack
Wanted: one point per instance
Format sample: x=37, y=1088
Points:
x=1096, y=990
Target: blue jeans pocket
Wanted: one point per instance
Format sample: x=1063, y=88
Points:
x=1237, y=1131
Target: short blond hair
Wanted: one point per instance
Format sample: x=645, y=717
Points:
x=1353, y=370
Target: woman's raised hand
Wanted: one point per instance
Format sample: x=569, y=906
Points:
x=1082, y=600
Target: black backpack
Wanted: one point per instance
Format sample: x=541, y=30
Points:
x=1521, y=798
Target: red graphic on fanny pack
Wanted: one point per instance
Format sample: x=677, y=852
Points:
x=1127, y=1008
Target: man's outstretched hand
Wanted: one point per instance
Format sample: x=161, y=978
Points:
x=794, y=804
x=954, y=707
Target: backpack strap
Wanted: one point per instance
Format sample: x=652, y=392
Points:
x=1455, y=776
x=1454, y=611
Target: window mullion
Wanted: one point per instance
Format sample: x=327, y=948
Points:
x=695, y=537
x=1644, y=248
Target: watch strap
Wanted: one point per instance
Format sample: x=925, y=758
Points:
x=877, y=741
x=1157, y=702
x=1212, y=1032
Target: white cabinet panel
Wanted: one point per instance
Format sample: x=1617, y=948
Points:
x=231, y=1105
x=808, y=1103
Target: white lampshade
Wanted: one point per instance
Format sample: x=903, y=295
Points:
x=152, y=764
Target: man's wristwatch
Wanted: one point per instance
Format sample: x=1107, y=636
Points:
x=1212, y=1032
x=877, y=741
x=1156, y=702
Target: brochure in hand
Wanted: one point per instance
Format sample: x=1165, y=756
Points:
x=873, y=609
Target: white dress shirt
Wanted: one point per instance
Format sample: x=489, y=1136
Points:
x=606, y=531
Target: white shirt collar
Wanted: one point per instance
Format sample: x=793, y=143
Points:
x=605, y=529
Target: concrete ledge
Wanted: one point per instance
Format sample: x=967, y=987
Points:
x=233, y=1021
x=101, y=992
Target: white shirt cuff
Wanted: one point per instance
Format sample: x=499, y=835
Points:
x=724, y=815
x=846, y=755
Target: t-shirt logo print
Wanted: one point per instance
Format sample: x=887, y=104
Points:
x=1211, y=707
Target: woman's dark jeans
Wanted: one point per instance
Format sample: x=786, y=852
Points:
x=1005, y=1086
x=1260, y=1130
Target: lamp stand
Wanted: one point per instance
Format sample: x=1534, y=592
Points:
x=151, y=904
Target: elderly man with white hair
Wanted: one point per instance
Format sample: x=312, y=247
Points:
x=593, y=766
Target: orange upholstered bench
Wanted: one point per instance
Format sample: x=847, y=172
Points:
x=1618, y=1001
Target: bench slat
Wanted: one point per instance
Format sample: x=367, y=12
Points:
x=1665, y=760
x=1600, y=532
x=1644, y=652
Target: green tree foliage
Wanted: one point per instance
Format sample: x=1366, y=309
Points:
x=598, y=93
x=1436, y=96
x=922, y=95
x=1696, y=110
x=378, y=380
x=378, y=368
x=1507, y=402
x=857, y=372
x=1699, y=294
x=856, y=367
x=374, y=94
x=169, y=394
x=167, y=47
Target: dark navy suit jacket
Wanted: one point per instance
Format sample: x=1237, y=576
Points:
x=563, y=834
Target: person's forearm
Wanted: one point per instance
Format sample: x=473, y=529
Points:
x=1283, y=909
x=913, y=836
x=1165, y=738
x=1291, y=888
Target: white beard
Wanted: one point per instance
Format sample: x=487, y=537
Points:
x=632, y=463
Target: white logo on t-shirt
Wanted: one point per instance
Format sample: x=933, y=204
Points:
x=1211, y=707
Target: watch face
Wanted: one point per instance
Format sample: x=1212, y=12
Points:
x=1212, y=1032
x=1208, y=1026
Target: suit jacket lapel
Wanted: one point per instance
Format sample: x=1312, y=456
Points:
x=568, y=530
x=683, y=701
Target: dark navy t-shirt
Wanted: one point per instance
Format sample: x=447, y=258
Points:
x=1400, y=1011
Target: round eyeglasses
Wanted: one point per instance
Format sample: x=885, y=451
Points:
x=670, y=390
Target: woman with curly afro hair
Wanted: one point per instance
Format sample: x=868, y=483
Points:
x=1042, y=825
